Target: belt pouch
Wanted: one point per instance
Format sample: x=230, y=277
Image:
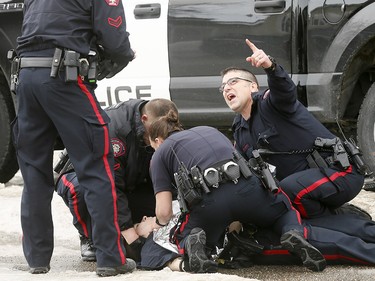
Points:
x=71, y=64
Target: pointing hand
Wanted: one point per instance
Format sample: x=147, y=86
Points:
x=259, y=58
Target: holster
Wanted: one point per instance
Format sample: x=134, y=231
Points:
x=14, y=69
x=339, y=156
x=315, y=160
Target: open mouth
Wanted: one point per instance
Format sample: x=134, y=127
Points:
x=230, y=96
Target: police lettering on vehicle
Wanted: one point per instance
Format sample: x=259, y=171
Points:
x=123, y=93
x=147, y=76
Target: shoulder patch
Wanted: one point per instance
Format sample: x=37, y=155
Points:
x=112, y=2
x=118, y=146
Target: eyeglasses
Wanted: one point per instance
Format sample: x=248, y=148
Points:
x=231, y=82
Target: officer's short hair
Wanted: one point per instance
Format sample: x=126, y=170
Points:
x=247, y=73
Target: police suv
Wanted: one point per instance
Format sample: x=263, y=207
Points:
x=327, y=46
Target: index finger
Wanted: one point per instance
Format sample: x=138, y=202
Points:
x=252, y=46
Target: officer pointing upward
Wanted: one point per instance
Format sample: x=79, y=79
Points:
x=312, y=165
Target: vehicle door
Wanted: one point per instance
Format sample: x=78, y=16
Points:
x=147, y=76
x=206, y=36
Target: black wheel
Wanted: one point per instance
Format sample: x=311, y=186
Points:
x=8, y=160
x=366, y=128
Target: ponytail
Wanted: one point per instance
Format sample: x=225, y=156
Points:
x=165, y=125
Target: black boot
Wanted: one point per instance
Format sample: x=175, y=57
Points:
x=39, y=269
x=348, y=208
x=106, y=271
x=88, y=251
x=198, y=261
x=294, y=242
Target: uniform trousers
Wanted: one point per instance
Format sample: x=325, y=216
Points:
x=141, y=202
x=342, y=239
x=247, y=201
x=49, y=107
x=317, y=192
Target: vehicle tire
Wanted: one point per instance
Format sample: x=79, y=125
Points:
x=366, y=128
x=8, y=160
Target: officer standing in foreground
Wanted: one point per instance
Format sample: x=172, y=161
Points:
x=132, y=154
x=55, y=94
x=232, y=196
x=311, y=162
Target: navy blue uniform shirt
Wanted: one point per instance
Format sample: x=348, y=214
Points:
x=191, y=147
x=132, y=159
x=77, y=25
x=280, y=123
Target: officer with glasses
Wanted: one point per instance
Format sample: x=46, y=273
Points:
x=311, y=164
x=233, y=81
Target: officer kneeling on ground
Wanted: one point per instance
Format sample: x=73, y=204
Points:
x=220, y=194
x=317, y=170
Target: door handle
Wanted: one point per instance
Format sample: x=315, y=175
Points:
x=147, y=11
x=269, y=6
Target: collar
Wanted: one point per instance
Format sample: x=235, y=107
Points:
x=239, y=121
x=139, y=127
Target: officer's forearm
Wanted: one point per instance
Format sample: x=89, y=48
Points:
x=162, y=220
x=163, y=209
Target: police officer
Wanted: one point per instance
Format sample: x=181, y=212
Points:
x=55, y=95
x=132, y=154
x=231, y=199
x=342, y=239
x=277, y=122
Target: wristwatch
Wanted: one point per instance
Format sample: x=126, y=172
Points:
x=273, y=65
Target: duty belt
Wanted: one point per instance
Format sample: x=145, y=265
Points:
x=35, y=62
x=64, y=59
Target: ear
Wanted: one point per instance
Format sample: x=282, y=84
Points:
x=254, y=87
x=144, y=118
x=159, y=141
